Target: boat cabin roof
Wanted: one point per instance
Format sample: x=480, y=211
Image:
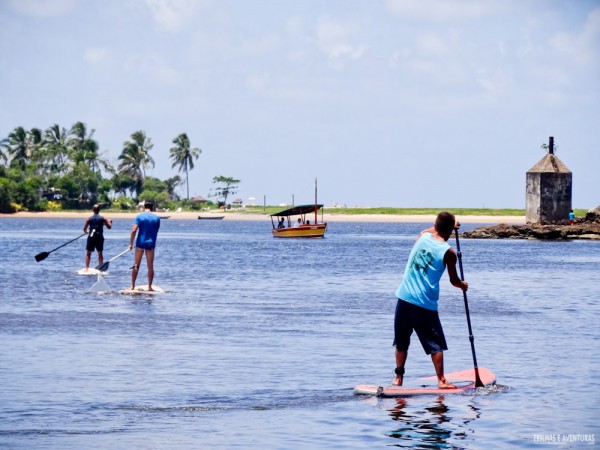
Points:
x=297, y=210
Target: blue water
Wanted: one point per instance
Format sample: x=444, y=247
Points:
x=258, y=342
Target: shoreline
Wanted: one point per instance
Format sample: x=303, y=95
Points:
x=414, y=218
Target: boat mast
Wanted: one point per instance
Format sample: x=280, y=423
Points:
x=316, y=218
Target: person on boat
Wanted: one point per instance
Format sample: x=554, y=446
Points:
x=281, y=223
x=94, y=228
x=146, y=227
x=298, y=223
x=418, y=294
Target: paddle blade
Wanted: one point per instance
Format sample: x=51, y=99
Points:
x=41, y=256
x=103, y=267
x=478, y=382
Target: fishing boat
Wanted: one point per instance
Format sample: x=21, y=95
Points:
x=286, y=225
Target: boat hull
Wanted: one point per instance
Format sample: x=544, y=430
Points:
x=304, y=231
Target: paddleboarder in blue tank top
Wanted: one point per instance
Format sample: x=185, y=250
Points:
x=94, y=228
x=418, y=294
x=146, y=227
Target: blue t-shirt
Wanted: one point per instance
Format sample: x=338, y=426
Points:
x=148, y=224
x=421, y=281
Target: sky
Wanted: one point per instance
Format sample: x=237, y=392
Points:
x=399, y=103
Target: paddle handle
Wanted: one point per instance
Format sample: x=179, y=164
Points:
x=478, y=382
x=41, y=256
x=120, y=254
x=66, y=243
x=104, y=266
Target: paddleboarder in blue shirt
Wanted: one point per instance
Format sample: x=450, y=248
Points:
x=146, y=227
x=418, y=294
x=94, y=228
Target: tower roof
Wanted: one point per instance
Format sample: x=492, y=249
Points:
x=549, y=164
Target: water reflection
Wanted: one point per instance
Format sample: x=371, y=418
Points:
x=432, y=425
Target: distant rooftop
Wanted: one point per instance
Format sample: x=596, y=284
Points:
x=550, y=164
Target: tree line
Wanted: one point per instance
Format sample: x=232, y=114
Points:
x=56, y=168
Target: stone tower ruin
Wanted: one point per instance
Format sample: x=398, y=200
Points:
x=549, y=190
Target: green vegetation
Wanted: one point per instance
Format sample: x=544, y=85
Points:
x=59, y=169
x=226, y=186
x=407, y=211
x=429, y=211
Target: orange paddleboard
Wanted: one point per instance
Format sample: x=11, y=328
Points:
x=463, y=380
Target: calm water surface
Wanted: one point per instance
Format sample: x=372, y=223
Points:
x=258, y=342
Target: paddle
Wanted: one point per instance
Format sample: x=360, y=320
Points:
x=41, y=256
x=104, y=266
x=478, y=382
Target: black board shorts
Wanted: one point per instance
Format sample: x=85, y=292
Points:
x=425, y=322
x=95, y=242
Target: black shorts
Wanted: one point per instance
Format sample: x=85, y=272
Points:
x=425, y=322
x=95, y=242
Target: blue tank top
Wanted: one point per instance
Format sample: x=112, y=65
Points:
x=96, y=222
x=148, y=225
x=421, y=281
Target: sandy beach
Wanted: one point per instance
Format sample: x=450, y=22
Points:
x=516, y=220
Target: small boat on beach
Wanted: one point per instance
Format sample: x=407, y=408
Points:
x=211, y=217
x=287, y=226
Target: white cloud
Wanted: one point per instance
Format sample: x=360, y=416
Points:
x=95, y=55
x=258, y=81
x=151, y=66
x=173, y=15
x=440, y=57
x=43, y=8
x=442, y=10
x=261, y=45
x=334, y=39
x=582, y=47
x=432, y=44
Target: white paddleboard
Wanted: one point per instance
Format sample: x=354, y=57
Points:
x=90, y=271
x=142, y=289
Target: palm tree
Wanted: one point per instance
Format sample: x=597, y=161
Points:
x=23, y=146
x=78, y=134
x=4, y=144
x=16, y=145
x=135, y=158
x=56, y=140
x=183, y=156
x=35, y=142
x=83, y=147
x=172, y=184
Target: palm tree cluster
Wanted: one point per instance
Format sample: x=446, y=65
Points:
x=67, y=168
